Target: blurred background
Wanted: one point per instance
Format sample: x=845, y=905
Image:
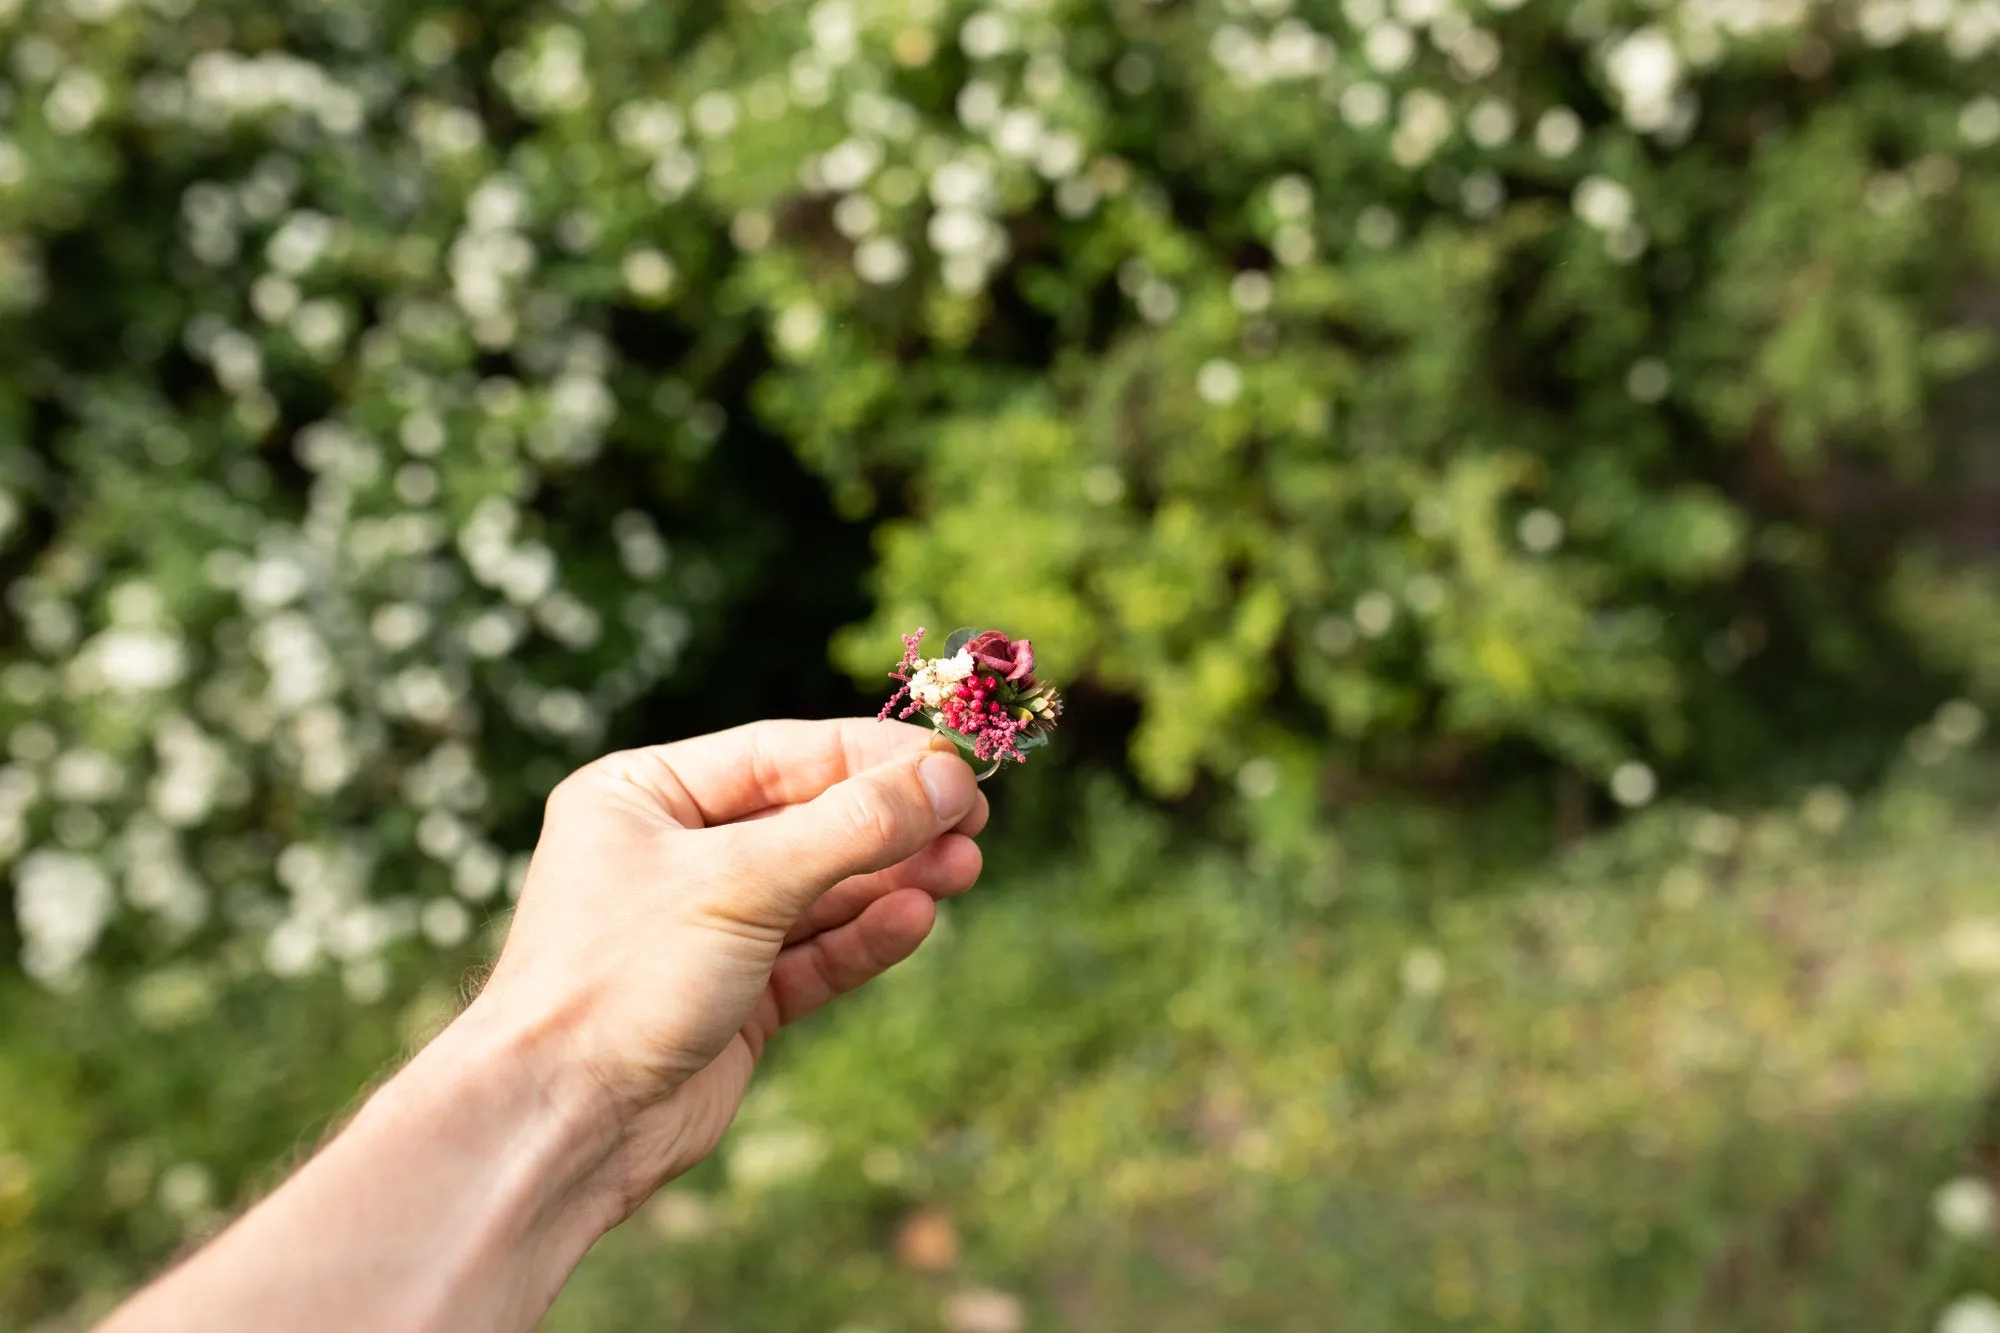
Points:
x=1510, y=487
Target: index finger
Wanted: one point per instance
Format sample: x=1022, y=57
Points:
x=726, y=775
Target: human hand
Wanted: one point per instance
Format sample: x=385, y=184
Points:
x=685, y=901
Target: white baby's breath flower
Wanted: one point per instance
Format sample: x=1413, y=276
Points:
x=934, y=677
x=955, y=668
x=925, y=687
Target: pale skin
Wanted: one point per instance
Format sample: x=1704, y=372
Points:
x=684, y=903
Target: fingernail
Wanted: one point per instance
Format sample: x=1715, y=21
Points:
x=948, y=782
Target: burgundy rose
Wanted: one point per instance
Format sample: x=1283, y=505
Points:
x=1012, y=658
x=997, y=712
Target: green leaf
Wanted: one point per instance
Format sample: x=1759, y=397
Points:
x=1035, y=742
x=964, y=743
x=957, y=639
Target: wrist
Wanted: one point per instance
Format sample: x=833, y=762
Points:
x=503, y=1095
x=460, y=1197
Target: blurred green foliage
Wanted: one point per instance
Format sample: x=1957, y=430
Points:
x=399, y=403
x=395, y=398
x=1709, y=1071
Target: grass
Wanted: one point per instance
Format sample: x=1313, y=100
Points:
x=1655, y=1088
x=1700, y=1074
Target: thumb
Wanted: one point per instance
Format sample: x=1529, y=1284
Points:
x=868, y=822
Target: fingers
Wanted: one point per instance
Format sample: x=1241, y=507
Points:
x=974, y=822
x=773, y=869
x=971, y=826
x=946, y=867
x=709, y=780
x=890, y=929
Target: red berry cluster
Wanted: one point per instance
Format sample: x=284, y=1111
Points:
x=972, y=703
x=975, y=709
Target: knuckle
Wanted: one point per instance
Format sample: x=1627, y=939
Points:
x=874, y=816
x=568, y=795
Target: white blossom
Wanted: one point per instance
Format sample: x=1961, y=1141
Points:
x=445, y=922
x=881, y=260
x=978, y=104
x=130, y=661
x=192, y=771
x=1490, y=123
x=799, y=327
x=849, y=163
x=1603, y=203
x=762, y=1157
x=1219, y=383
x=985, y=35
x=1964, y=1208
x=648, y=274
x=647, y=127
x=1974, y=1313
x=855, y=216
x=1250, y=291
x=1019, y=133
x=713, y=113
x=87, y=776
x=1558, y=132
x=1291, y=197
x=1633, y=784
x=1364, y=104
x=834, y=30
x=1645, y=71
x=1979, y=122
x=1374, y=614
x=961, y=183
x=62, y=903
x=1389, y=47
x=74, y=104
x=1540, y=531
x=1648, y=380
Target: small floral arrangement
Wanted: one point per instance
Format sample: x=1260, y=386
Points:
x=981, y=694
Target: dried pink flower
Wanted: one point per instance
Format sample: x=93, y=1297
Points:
x=903, y=671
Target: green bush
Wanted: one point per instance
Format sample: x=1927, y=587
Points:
x=389, y=396
x=1541, y=378
x=338, y=459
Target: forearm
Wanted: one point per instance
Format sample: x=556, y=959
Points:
x=460, y=1197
